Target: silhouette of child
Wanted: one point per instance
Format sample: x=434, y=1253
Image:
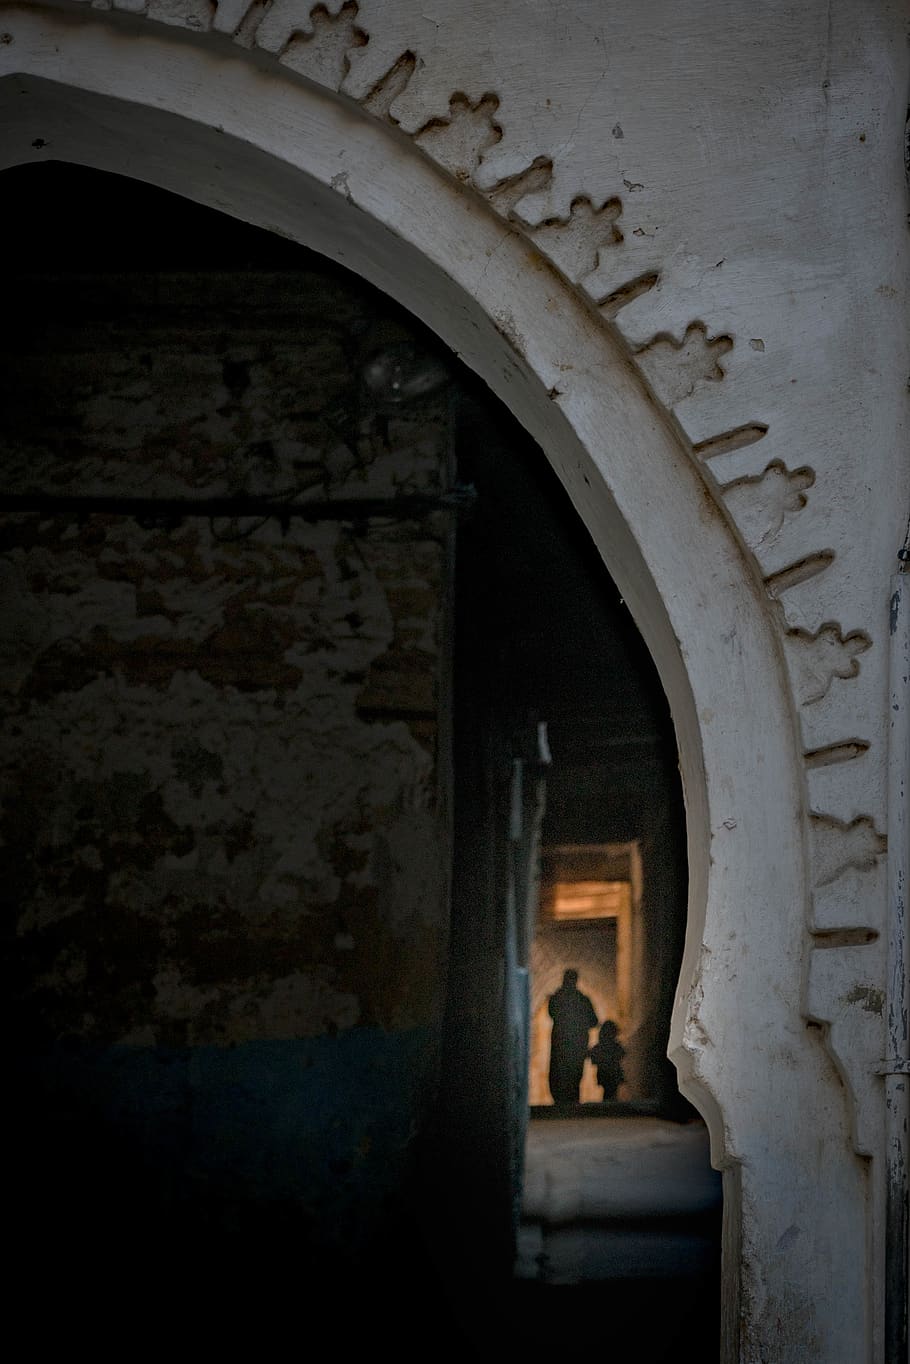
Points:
x=607, y=1054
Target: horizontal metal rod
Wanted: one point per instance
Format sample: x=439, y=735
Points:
x=163, y=509
x=896, y=1067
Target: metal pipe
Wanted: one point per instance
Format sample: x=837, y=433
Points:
x=896, y=1069
x=155, y=510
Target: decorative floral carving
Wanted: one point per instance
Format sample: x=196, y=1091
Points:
x=323, y=54
x=838, y=846
x=459, y=141
x=574, y=244
x=816, y=660
x=674, y=368
x=760, y=504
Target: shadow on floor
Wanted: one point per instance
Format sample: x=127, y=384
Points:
x=651, y=1321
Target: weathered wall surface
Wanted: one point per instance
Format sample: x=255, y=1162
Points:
x=224, y=747
x=698, y=212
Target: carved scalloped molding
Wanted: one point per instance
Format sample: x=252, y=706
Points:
x=319, y=43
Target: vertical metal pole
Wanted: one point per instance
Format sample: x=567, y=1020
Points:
x=896, y=1069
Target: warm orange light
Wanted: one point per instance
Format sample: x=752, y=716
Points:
x=591, y=899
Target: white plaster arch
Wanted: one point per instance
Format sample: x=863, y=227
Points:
x=224, y=127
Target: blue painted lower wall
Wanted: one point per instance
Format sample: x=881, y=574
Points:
x=308, y=1138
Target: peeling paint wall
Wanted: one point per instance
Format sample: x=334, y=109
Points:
x=225, y=741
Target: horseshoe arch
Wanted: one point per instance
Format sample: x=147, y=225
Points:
x=238, y=131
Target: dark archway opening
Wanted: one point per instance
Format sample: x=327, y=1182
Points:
x=566, y=769
x=170, y=1053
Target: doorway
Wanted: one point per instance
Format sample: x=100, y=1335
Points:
x=614, y=1198
x=558, y=718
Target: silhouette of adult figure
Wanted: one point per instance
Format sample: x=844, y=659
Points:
x=573, y=1018
x=607, y=1054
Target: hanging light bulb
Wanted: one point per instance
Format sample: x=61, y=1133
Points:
x=400, y=374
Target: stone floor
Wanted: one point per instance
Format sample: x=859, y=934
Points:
x=608, y=1198
x=618, y=1256
x=619, y=1244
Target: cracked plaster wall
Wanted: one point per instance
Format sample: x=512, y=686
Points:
x=224, y=753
